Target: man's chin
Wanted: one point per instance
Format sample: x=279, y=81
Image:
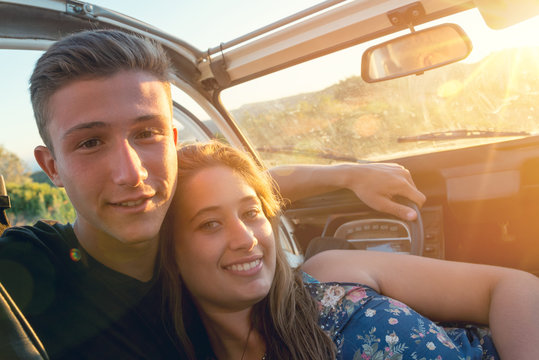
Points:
x=134, y=230
x=132, y=233
x=139, y=238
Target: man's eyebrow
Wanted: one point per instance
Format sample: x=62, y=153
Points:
x=84, y=126
x=217, y=207
x=102, y=124
x=149, y=117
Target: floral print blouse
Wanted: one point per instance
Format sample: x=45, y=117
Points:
x=368, y=326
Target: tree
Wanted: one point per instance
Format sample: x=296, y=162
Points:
x=41, y=177
x=12, y=167
x=32, y=201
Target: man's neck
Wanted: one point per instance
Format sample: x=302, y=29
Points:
x=134, y=260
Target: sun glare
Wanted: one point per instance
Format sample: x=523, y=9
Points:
x=486, y=40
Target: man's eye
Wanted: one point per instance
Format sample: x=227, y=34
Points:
x=88, y=144
x=148, y=133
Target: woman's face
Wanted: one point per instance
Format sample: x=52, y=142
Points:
x=225, y=246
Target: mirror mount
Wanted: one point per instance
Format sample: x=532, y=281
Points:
x=408, y=15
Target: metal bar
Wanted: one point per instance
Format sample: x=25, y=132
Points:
x=25, y=44
x=4, y=198
x=275, y=25
x=95, y=11
x=3, y=191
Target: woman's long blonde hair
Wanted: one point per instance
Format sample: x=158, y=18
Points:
x=287, y=317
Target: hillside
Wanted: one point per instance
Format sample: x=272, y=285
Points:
x=364, y=120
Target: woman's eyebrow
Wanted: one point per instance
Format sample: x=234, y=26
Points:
x=244, y=199
x=203, y=210
x=250, y=198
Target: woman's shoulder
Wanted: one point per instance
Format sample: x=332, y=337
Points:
x=350, y=266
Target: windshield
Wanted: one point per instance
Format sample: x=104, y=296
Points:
x=322, y=111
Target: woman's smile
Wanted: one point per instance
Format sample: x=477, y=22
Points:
x=246, y=268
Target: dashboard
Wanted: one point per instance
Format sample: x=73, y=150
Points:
x=341, y=216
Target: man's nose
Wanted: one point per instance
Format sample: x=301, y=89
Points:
x=127, y=167
x=242, y=236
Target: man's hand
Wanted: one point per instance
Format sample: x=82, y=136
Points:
x=376, y=184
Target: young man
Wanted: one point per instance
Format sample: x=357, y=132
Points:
x=103, y=108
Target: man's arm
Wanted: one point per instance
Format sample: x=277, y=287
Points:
x=375, y=184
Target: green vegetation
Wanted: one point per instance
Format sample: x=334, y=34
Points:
x=32, y=196
x=32, y=201
x=41, y=177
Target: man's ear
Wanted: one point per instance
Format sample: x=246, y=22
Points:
x=175, y=131
x=46, y=161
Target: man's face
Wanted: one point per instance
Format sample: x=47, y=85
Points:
x=115, y=154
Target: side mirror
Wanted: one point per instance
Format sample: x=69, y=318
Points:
x=415, y=53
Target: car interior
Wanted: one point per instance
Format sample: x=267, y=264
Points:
x=482, y=198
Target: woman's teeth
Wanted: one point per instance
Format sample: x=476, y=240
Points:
x=245, y=266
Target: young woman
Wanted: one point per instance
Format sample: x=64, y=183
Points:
x=232, y=294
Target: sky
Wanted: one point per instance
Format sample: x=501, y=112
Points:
x=203, y=23
x=206, y=23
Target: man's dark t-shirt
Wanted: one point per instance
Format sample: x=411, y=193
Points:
x=79, y=308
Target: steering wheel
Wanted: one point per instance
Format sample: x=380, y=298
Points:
x=417, y=234
x=369, y=225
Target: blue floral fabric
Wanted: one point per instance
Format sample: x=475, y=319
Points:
x=368, y=326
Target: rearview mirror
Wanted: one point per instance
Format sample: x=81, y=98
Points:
x=415, y=53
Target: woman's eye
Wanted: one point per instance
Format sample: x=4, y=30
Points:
x=209, y=225
x=252, y=214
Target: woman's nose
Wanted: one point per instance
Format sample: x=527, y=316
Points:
x=242, y=237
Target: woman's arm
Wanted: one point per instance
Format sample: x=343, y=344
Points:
x=375, y=184
x=505, y=299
